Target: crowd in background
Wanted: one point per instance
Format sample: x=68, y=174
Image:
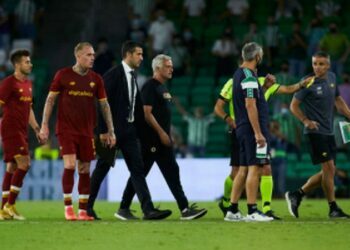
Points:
x=182, y=29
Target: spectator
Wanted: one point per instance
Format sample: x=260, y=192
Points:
x=297, y=47
x=238, y=9
x=137, y=30
x=288, y=9
x=179, y=55
x=143, y=8
x=224, y=49
x=4, y=30
x=254, y=35
x=25, y=16
x=198, y=128
x=327, y=8
x=194, y=8
x=336, y=44
x=272, y=37
x=160, y=33
x=104, y=59
x=315, y=32
x=290, y=128
x=344, y=88
x=284, y=77
x=189, y=41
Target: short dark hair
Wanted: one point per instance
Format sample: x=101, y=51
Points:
x=322, y=54
x=17, y=55
x=129, y=46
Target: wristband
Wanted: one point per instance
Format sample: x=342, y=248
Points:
x=226, y=116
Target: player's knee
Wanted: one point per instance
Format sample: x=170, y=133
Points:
x=84, y=168
x=11, y=167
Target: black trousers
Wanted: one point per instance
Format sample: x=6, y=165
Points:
x=165, y=159
x=131, y=149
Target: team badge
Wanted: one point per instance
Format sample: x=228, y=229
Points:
x=20, y=90
x=30, y=89
x=167, y=95
x=92, y=84
x=21, y=148
x=153, y=149
x=72, y=83
x=332, y=85
x=324, y=154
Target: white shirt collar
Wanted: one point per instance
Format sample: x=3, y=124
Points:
x=126, y=67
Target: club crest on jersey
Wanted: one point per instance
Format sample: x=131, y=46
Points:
x=92, y=84
x=20, y=90
x=30, y=89
x=167, y=95
x=332, y=85
x=72, y=83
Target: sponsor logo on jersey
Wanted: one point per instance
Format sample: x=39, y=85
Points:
x=80, y=93
x=92, y=84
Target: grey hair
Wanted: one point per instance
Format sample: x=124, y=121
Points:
x=158, y=61
x=251, y=50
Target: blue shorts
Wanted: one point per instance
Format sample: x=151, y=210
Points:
x=247, y=150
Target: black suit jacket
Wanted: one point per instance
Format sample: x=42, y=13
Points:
x=117, y=93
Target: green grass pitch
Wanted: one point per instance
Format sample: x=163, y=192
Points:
x=45, y=228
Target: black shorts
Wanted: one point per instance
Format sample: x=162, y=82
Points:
x=247, y=152
x=322, y=148
x=234, y=162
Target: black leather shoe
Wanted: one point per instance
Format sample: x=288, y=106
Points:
x=157, y=214
x=92, y=213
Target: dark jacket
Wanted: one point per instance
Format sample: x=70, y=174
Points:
x=117, y=93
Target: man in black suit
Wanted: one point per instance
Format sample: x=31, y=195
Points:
x=128, y=119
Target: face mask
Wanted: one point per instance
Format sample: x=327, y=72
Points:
x=284, y=111
x=136, y=23
x=187, y=35
x=333, y=30
x=161, y=18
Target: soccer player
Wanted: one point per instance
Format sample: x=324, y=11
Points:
x=156, y=142
x=266, y=181
x=77, y=88
x=318, y=115
x=16, y=101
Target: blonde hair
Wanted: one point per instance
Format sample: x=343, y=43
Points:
x=80, y=46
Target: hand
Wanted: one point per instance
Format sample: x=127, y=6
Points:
x=231, y=122
x=43, y=133
x=260, y=140
x=103, y=139
x=165, y=139
x=271, y=78
x=306, y=81
x=111, y=139
x=40, y=137
x=311, y=124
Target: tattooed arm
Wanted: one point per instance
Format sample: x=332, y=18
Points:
x=50, y=102
x=108, y=138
